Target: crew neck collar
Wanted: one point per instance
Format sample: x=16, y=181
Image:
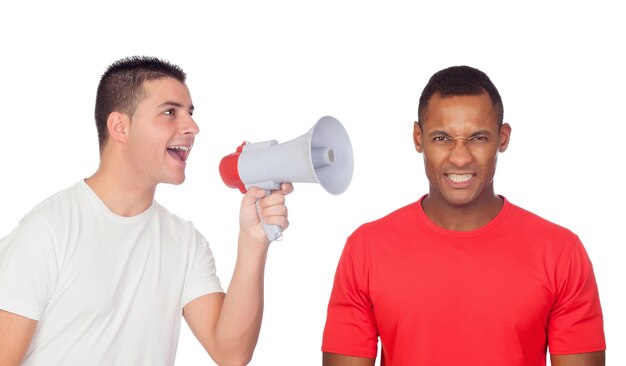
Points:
x=463, y=234
x=92, y=196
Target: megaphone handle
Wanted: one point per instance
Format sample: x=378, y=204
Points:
x=273, y=232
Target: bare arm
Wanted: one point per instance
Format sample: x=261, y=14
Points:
x=228, y=326
x=580, y=359
x=16, y=333
x=334, y=359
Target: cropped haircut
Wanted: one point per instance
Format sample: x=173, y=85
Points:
x=121, y=87
x=459, y=81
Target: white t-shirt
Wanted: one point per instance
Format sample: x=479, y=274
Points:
x=106, y=289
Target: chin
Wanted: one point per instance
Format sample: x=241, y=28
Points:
x=174, y=180
x=460, y=200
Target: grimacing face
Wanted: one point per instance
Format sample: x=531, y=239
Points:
x=460, y=140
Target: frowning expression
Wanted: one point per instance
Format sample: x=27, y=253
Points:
x=460, y=139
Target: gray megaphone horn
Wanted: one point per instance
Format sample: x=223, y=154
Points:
x=322, y=155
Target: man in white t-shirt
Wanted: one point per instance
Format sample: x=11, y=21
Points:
x=100, y=273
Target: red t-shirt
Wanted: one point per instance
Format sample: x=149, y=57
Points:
x=497, y=295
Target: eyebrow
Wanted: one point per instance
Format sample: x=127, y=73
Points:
x=438, y=132
x=481, y=132
x=444, y=133
x=176, y=104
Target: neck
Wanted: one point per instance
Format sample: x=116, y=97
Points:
x=120, y=192
x=462, y=217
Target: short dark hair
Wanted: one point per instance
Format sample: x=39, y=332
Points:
x=121, y=87
x=460, y=80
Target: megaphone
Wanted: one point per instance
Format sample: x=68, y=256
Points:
x=322, y=155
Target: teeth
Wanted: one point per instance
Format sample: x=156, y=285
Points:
x=459, y=178
x=181, y=148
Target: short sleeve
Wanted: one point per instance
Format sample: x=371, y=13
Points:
x=28, y=267
x=202, y=277
x=575, y=324
x=350, y=323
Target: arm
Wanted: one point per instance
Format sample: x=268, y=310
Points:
x=580, y=359
x=576, y=321
x=334, y=359
x=16, y=333
x=350, y=334
x=228, y=325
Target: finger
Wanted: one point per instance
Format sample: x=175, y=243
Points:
x=253, y=194
x=286, y=188
x=280, y=220
x=275, y=198
x=274, y=215
x=274, y=210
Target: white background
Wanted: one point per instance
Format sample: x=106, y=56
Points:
x=269, y=70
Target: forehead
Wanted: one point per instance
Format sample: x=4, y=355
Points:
x=166, y=90
x=460, y=112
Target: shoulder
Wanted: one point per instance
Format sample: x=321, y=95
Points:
x=40, y=229
x=169, y=219
x=399, y=223
x=175, y=228
x=59, y=201
x=534, y=225
x=59, y=208
x=397, y=218
x=551, y=241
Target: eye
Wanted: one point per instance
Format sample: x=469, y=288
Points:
x=169, y=112
x=480, y=138
x=441, y=138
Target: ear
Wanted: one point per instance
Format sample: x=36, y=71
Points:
x=118, y=124
x=417, y=137
x=505, y=136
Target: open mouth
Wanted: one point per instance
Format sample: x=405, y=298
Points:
x=179, y=152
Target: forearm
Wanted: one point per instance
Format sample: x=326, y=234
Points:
x=239, y=323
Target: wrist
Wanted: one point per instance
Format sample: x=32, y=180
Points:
x=255, y=243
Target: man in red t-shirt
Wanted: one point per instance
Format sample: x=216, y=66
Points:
x=462, y=276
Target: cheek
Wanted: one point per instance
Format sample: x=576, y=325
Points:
x=150, y=140
x=488, y=160
x=434, y=159
x=431, y=167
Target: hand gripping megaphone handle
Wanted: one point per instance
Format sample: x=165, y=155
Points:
x=322, y=155
x=273, y=232
x=230, y=174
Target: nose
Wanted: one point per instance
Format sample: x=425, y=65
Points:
x=460, y=154
x=189, y=126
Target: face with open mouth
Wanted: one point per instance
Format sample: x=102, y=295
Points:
x=460, y=139
x=162, y=132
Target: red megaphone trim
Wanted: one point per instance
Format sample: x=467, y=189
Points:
x=229, y=171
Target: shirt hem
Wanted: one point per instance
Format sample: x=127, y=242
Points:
x=348, y=353
x=192, y=295
x=26, y=311
x=574, y=352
